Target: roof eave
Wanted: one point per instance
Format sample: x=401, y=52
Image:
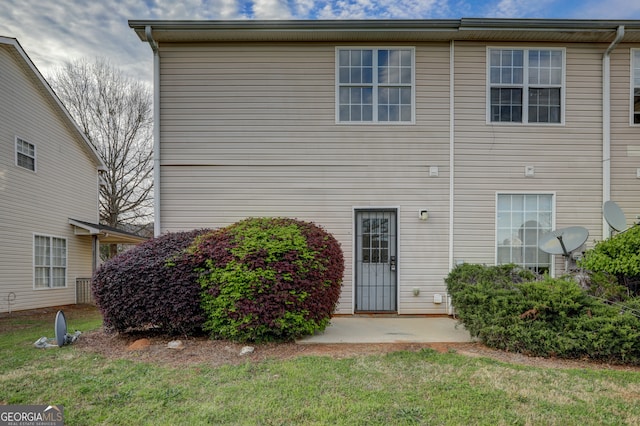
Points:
x=381, y=30
x=44, y=84
x=104, y=233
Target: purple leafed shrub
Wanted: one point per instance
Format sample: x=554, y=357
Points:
x=153, y=285
x=269, y=279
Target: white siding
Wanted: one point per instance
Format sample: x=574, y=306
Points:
x=249, y=130
x=492, y=157
x=625, y=138
x=64, y=186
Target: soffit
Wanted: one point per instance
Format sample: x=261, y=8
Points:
x=488, y=30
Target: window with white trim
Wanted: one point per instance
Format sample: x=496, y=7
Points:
x=521, y=220
x=635, y=72
x=25, y=154
x=49, y=261
x=375, y=85
x=526, y=85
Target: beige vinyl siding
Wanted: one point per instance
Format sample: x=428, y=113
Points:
x=491, y=158
x=64, y=186
x=249, y=130
x=625, y=137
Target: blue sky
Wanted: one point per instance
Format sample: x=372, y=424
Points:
x=53, y=31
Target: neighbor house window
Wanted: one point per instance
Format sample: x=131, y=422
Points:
x=375, y=85
x=521, y=220
x=50, y=261
x=525, y=85
x=635, y=63
x=25, y=154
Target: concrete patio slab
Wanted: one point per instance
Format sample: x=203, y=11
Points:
x=358, y=329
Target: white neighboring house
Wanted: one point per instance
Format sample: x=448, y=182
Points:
x=49, y=188
x=499, y=130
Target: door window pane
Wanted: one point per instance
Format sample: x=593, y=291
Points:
x=375, y=240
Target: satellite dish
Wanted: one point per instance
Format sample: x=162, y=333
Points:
x=61, y=328
x=614, y=216
x=563, y=241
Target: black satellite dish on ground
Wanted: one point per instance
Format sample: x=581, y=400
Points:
x=564, y=241
x=614, y=216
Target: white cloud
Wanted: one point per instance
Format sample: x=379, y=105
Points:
x=519, y=9
x=227, y=9
x=385, y=9
x=55, y=31
x=52, y=32
x=271, y=9
x=302, y=8
x=611, y=9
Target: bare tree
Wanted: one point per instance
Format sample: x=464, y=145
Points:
x=115, y=113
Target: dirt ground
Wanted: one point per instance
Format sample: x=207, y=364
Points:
x=201, y=350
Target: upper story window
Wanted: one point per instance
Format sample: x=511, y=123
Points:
x=635, y=85
x=25, y=154
x=50, y=261
x=375, y=85
x=521, y=220
x=526, y=85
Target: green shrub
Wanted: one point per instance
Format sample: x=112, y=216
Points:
x=551, y=317
x=603, y=285
x=480, y=293
x=269, y=279
x=618, y=255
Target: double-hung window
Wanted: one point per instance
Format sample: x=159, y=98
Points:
x=49, y=261
x=25, y=154
x=635, y=84
x=375, y=85
x=521, y=220
x=526, y=85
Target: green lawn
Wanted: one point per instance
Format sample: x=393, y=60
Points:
x=402, y=388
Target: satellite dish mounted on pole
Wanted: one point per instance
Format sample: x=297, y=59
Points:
x=563, y=242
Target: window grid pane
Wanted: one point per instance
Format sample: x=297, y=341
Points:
x=26, y=154
x=41, y=277
x=42, y=251
x=50, y=261
x=544, y=105
x=506, y=105
x=58, y=252
x=536, y=74
x=636, y=86
x=521, y=220
x=506, y=67
x=385, y=98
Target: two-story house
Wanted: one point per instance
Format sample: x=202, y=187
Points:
x=419, y=144
x=49, y=185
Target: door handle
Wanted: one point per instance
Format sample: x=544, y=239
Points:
x=392, y=263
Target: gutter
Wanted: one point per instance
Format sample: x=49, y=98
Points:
x=452, y=140
x=606, y=125
x=157, y=230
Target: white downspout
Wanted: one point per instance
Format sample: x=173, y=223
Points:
x=606, y=125
x=156, y=130
x=452, y=140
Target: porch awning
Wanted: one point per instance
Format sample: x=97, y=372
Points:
x=106, y=234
